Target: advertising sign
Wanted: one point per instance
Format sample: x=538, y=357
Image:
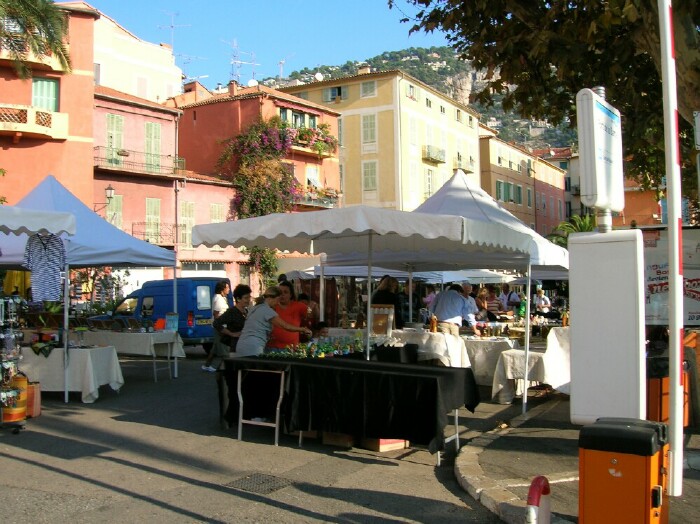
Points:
x=656, y=277
x=600, y=152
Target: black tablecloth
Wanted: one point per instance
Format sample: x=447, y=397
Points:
x=356, y=397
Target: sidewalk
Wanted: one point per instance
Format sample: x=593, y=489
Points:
x=497, y=467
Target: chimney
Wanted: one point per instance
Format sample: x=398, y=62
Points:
x=232, y=88
x=364, y=70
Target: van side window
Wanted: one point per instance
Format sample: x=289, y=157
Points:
x=147, y=307
x=203, y=297
x=127, y=307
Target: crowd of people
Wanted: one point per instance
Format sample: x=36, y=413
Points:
x=280, y=319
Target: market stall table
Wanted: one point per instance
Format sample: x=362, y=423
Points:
x=351, y=396
x=446, y=348
x=88, y=369
x=166, y=344
x=550, y=366
x=483, y=354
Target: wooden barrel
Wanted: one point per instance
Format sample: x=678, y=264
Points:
x=17, y=413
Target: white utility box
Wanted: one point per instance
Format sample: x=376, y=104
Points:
x=608, y=351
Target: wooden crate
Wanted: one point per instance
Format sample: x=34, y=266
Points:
x=338, y=439
x=385, y=444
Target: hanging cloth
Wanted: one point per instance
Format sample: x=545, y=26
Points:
x=45, y=257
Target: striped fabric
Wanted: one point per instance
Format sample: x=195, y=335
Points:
x=45, y=257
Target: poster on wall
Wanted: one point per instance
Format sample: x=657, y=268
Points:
x=656, y=276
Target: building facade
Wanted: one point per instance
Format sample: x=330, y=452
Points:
x=400, y=139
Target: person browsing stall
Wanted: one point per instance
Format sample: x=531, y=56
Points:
x=230, y=324
x=292, y=312
x=387, y=292
x=542, y=303
x=510, y=300
x=471, y=318
x=450, y=307
x=258, y=325
x=218, y=306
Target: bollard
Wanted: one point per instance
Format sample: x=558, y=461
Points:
x=538, y=504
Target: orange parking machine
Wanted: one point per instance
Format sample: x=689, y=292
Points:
x=622, y=472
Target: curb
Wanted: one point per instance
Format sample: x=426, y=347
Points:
x=494, y=494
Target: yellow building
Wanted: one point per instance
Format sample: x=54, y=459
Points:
x=400, y=139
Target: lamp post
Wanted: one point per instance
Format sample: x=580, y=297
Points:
x=109, y=195
x=177, y=186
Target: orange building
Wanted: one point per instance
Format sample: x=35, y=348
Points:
x=222, y=115
x=46, y=120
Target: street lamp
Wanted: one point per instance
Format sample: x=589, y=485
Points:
x=109, y=195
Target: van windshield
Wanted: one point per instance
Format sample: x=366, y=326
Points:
x=127, y=307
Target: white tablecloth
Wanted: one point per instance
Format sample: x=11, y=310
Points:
x=88, y=369
x=166, y=344
x=552, y=367
x=484, y=353
x=449, y=349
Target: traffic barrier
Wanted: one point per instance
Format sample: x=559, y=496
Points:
x=539, y=509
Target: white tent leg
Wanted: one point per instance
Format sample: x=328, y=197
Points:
x=369, y=291
x=527, y=334
x=66, y=305
x=322, y=290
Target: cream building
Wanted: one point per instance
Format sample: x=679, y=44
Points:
x=400, y=139
x=124, y=62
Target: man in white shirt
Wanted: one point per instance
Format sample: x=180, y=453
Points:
x=509, y=299
x=471, y=318
x=450, y=307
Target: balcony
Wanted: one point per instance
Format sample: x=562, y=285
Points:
x=129, y=161
x=29, y=121
x=159, y=233
x=466, y=165
x=302, y=147
x=326, y=199
x=48, y=62
x=434, y=154
x=575, y=190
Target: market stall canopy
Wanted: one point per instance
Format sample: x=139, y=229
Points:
x=96, y=241
x=23, y=221
x=338, y=230
x=486, y=217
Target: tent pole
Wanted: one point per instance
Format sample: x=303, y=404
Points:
x=322, y=289
x=527, y=333
x=410, y=296
x=369, y=291
x=66, y=305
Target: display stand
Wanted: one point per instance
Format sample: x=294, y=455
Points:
x=11, y=412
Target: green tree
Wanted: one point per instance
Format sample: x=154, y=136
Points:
x=539, y=54
x=38, y=27
x=575, y=224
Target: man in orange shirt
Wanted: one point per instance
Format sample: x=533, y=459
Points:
x=291, y=311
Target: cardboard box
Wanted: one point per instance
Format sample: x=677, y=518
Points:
x=385, y=444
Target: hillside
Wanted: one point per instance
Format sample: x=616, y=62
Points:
x=440, y=68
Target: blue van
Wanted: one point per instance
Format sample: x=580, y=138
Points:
x=155, y=300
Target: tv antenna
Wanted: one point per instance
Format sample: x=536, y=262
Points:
x=236, y=61
x=172, y=27
x=186, y=60
x=281, y=64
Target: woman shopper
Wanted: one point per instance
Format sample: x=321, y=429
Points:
x=218, y=306
x=259, y=323
x=292, y=312
x=230, y=324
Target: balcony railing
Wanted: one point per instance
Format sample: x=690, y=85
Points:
x=18, y=43
x=434, y=154
x=317, y=201
x=137, y=161
x=466, y=165
x=33, y=121
x=159, y=233
x=302, y=147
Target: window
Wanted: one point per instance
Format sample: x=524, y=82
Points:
x=551, y=206
x=499, y=191
x=561, y=210
x=312, y=121
x=471, y=121
x=442, y=110
x=428, y=182
x=518, y=196
x=508, y=192
x=567, y=183
x=186, y=222
x=369, y=130
x=298, y=119
x=153, y=220
x=568, y=209
x=369, y=175
x=537, y=200
x=284, y=114
x=543, y=200
x=217, y=213
x=458, y=115
x=330, y=94
x=115, y=138
x=312, y=177
x=564, y=164
x=152, y=149
x=45, y=94
x=113, y=212
x=428, y=103
x=303, y=94
x=529, y=197
x=411, y=91
x=368, y=89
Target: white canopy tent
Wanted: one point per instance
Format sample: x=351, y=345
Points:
x=15, y=220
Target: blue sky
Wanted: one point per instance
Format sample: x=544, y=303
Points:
x=303, y=33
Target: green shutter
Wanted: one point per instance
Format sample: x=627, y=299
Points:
x=115, y=138
x=153, y=220
x=152, y=148
x=45, y=94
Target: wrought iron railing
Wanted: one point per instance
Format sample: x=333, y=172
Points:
x=434, y=154
x=137, y=161
x=160, y=233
